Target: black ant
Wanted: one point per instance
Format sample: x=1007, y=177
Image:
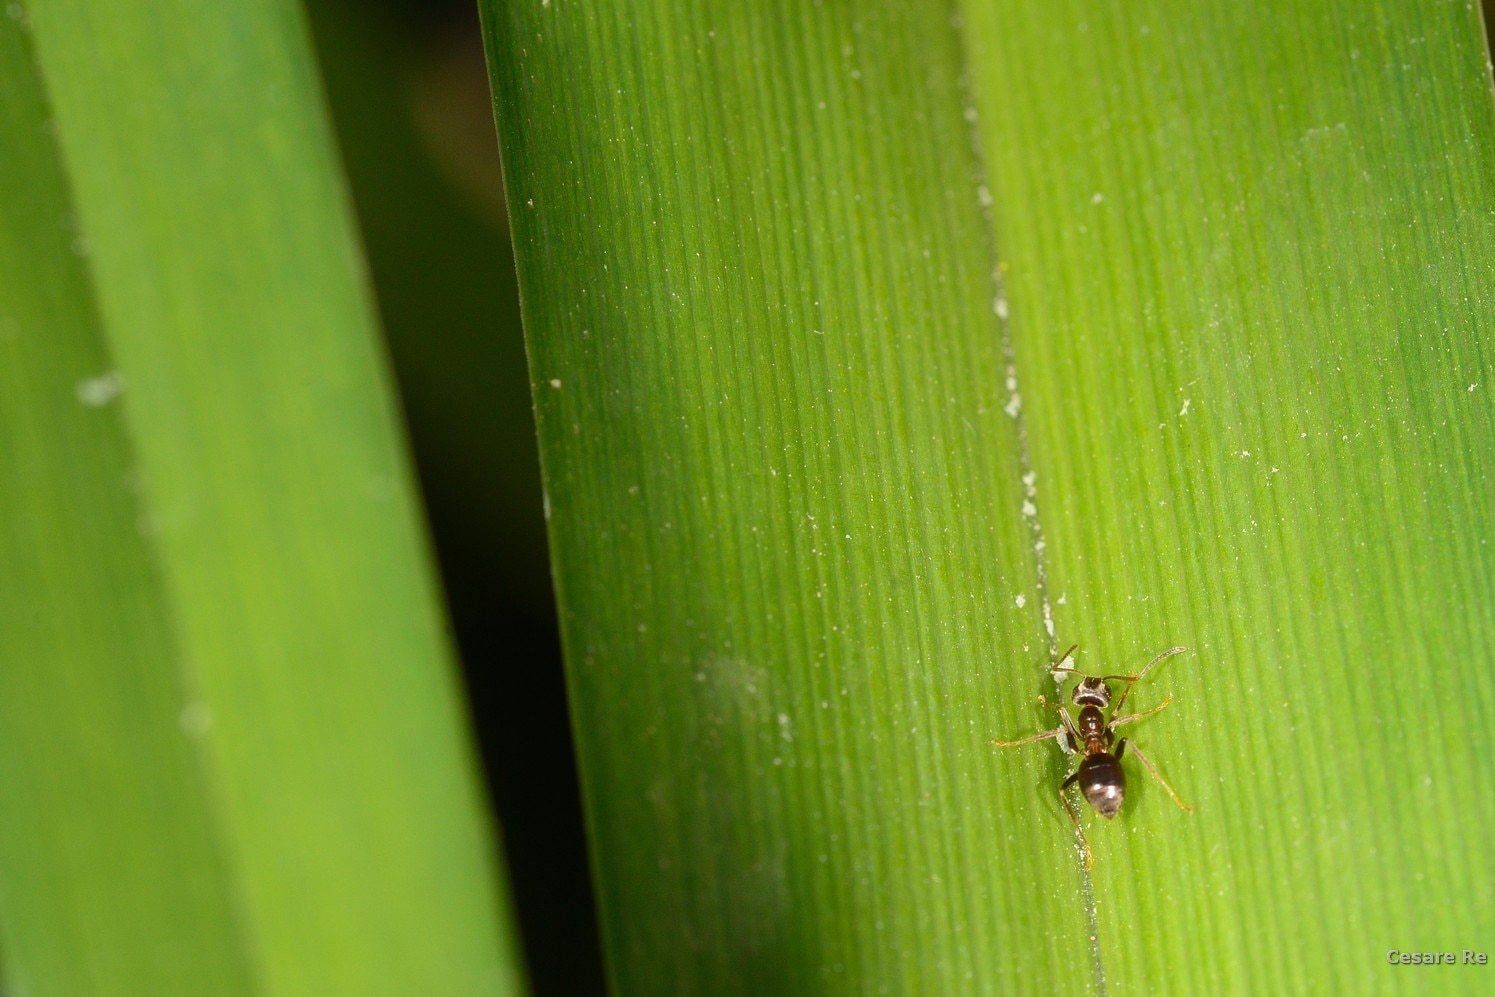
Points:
x=1100, y=775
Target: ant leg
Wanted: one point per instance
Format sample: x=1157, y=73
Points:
x=1041, y=735
x=1068, y=728
x=1075, y=819
x=1121, y=746
x=1075, y=740
x=1138, y=716
x=1133, y=681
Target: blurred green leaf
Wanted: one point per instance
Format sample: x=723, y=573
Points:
x=236, y=759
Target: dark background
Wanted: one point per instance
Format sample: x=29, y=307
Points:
x=408, y=93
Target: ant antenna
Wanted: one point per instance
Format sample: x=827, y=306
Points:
x=1166, y=654
x=1132, y=680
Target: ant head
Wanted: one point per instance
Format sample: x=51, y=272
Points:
x=1092, y=691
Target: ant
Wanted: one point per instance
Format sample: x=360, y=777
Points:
x=1099, y=774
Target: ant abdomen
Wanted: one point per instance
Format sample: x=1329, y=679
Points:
x=1103, y=782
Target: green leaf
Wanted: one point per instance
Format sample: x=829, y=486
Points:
x=235, y=757
x=865, y=344
x=1252, y=278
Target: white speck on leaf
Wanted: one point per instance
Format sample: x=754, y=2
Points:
x=196, y=719
x=1021, y=600
x=96, y=392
